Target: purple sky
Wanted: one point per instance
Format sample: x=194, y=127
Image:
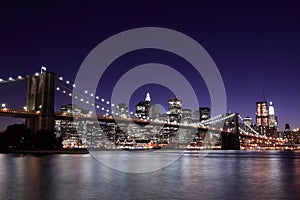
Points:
x=255, y=45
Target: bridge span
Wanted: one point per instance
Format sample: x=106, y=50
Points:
x=39, y=113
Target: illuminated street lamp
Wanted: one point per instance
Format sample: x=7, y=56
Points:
x=3, y=105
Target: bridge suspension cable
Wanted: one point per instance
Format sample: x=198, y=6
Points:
x=254, y=131
x=216, y=119
x=86, y=97
x=11, y=79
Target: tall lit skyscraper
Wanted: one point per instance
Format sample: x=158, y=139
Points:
x=175, y=112
x=262, y=117
x=272, y=121
x=142, y=108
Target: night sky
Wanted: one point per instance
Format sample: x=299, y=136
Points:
x=255, y=45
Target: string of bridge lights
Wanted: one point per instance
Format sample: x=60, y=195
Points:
x=216, y=120
x=247, y=133
x=83, y=99
x=20, y=78
x=11, y=79
x=87, y=97
x=207, y=122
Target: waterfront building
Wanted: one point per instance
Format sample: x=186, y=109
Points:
x=75, y=133
x=287, y=132
x=296, y=135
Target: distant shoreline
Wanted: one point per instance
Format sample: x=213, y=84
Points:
x=45, y=151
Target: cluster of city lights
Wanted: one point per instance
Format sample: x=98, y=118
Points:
x=107, y=106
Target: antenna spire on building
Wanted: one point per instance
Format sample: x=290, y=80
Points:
x=148, y=98
x=271, y=109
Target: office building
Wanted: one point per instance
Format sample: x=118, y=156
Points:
x=262, y=118
x=122, y=110
x=174, y=112
x=273, y=124
x=143, y=107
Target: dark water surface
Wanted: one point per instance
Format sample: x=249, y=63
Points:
x=218, y=175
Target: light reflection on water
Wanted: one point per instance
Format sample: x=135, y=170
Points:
x=219, y=175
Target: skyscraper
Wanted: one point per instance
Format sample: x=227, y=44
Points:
x=143, y=107
x=175, y=112
x=204, y=113
x=122, y=110
x=262, y=117
x=272, y=121
x=272, y=118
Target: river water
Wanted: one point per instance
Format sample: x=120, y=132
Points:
x=208, y=175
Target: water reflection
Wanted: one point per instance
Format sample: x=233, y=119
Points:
x=220, y=175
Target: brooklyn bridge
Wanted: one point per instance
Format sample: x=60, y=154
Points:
x=39, y=114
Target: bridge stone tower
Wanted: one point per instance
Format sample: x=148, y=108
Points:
x=40, y=98
x=232, y=141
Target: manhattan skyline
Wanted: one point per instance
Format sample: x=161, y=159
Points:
x=255, y=47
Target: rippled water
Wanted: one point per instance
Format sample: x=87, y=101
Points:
x=217, y=175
